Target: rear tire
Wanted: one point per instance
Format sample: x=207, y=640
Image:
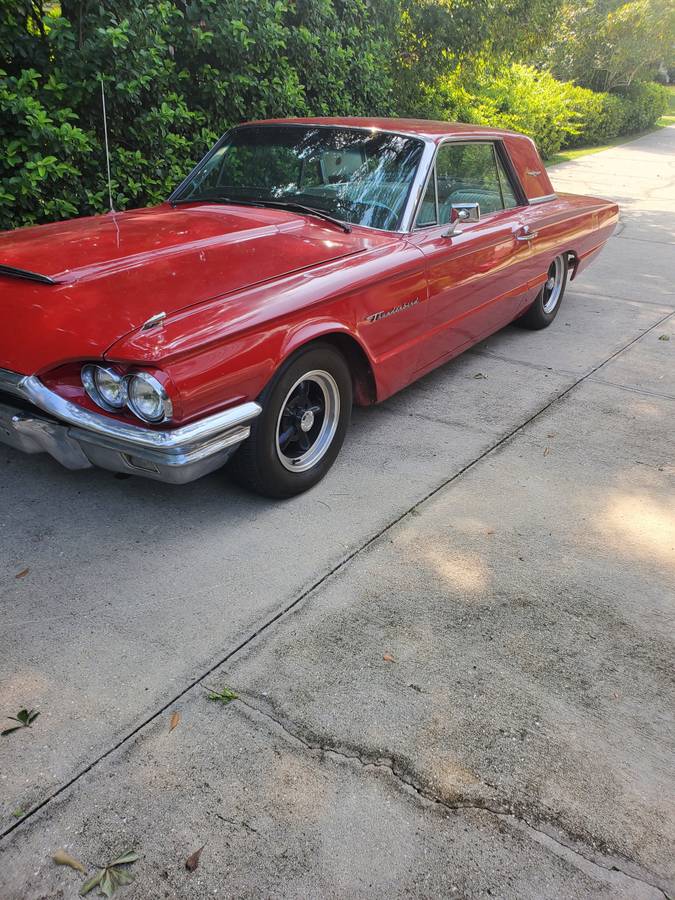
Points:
x=298, y=435
x=547, y=302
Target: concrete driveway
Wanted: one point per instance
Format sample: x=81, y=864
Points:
x=453, y=659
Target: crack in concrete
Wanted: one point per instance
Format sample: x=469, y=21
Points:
x=553, y=835
x=198, y=682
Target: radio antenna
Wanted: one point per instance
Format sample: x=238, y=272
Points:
x=107, y=150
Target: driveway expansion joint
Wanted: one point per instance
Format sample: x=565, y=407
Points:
x=553, y=836
x=338, y=567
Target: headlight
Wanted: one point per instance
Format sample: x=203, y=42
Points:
x=147, y=398
x=141, y=392
x=106, y=387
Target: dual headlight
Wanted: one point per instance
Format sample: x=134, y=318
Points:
x=141, y=392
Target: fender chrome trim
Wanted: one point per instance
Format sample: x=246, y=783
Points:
x=533, y=201
x=30, y=388
x=79, y=437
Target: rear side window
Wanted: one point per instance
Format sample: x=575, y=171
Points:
x=466, y=173
x=508, y=194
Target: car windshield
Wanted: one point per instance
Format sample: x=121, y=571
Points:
x=358, y=176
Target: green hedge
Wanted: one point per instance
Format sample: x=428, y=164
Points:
x=182, y=74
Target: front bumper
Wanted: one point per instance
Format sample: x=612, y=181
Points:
x=43, y=422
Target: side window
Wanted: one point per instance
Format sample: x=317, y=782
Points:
x=467, y=173
x=508, y=195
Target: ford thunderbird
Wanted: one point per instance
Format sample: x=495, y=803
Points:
x=303, y=266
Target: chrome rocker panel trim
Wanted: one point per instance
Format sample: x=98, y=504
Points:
x=79, y=438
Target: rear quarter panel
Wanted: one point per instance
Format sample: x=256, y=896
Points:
x=570, y=223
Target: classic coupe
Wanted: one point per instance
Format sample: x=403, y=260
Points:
x=303, y=266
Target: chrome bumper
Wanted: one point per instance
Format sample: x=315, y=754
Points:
x=79, y=438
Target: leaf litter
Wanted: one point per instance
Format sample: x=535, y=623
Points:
x=192, y=861
x=111, y=876
x=25, y=718
x=223, y=696
x=61, y=858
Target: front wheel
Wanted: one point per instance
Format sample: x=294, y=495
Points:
x=547, y=303
x=297, y=437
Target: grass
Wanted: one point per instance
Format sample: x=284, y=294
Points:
x=663, y=122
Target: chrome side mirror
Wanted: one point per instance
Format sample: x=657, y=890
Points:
x=462, y=212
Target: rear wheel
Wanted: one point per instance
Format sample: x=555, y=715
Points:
x=547, y=303
x=298, y=435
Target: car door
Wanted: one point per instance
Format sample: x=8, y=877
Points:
x=477, y=280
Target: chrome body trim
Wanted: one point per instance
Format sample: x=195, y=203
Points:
x=419, y=184
x=79, y=438
x=545, y=199
x=13, y=272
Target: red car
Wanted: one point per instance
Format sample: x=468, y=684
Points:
x=304, y=265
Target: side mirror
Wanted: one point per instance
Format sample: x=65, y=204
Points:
x=462, y=212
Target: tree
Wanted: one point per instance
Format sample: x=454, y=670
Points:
x=608, y=45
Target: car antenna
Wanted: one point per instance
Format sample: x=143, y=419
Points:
x=107, y=150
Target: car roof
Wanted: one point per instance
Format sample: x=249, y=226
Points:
x=422, y=128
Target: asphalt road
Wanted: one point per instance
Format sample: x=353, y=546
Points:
x=503, y=532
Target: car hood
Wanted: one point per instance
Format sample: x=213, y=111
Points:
x=100, y=278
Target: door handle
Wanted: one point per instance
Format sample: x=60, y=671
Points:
x=526, y=234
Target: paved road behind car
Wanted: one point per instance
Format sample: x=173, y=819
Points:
x=453, y=658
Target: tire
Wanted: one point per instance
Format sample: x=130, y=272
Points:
x=295, y=440
x=547, y=303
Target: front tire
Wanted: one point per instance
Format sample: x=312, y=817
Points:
x=547, y=303
x=298, y=435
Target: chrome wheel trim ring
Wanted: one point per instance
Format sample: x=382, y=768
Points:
x=554, y=284
x=331, y=418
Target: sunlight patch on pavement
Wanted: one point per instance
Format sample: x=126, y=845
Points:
x=643, y=523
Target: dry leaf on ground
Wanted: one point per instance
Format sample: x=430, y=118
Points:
x=175, y=720
x=61, y=858
x=112, y=876
x=192, y=861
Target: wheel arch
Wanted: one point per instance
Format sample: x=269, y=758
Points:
x=358, y=360
x=572, y=262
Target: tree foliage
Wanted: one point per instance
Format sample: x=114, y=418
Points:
x=608, y=45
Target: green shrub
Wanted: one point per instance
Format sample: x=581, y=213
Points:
x=601, y=117
x=555, y=114
x=643, y=103
x=43, y=153
x=516, y=97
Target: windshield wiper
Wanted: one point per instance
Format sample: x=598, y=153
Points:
x=306, y=210
x=275, y=204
